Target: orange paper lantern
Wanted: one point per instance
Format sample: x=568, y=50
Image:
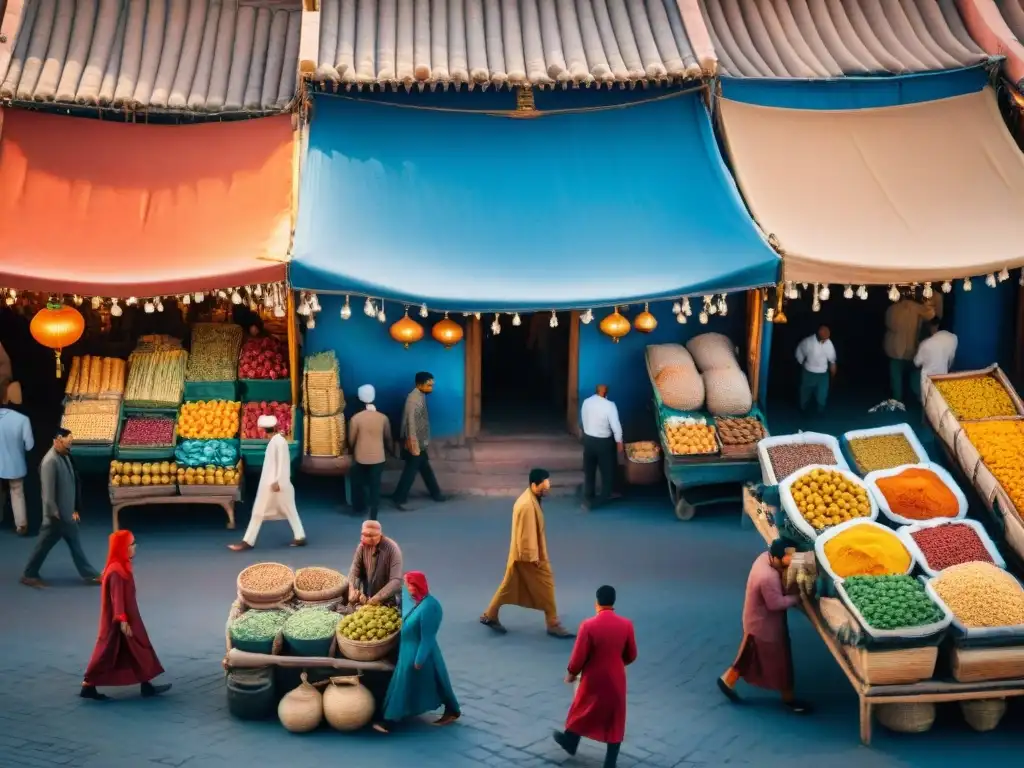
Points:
x=615, y=325
x=645, y=322
x=406, y=331
x=447, y=332
x=57, y=327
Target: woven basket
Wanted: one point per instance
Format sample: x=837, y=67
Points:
x=907, y=718
x=323, y=402
x=983, y=714
x=323, y=595
x=237, y=609
x=284, y=603
x=325, y=435
x=277, y=595
x=360, y=651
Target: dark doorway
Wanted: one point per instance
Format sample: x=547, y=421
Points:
x=524, y=374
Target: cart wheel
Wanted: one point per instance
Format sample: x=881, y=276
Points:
x=685, y=510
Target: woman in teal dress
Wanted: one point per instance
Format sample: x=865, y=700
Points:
x=420, y=682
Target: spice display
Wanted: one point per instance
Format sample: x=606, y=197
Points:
x=256, y=626
x=156, y=378
x=918, y=494
x=952, y=544
x=209, y=475
x=882, y=452
x=209, y=420
x=644, y=452
x=91, y=376
x=266, y=579
x=251, y=413
x=866, y=550
x=892, y=602
x=981, y=595
x=90, y=425
x=1001, y=446
x=686, y=438
x=311, y=624
x=317, y=579
x=142, y=472
x=788, y=458
x=150, y=432
x=980, y=397
x=202, y=453
x=263, y=358
x=741, y=431
x=825, y=497
x=371, y=623
x=215, y=349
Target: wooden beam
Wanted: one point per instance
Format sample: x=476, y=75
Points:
x=309, y=38
x=474, y=377
x=293, y=345
x=755, y=332
x=10, y=20
x=573, y=400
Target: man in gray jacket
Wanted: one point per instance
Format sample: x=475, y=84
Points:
x=62, y=498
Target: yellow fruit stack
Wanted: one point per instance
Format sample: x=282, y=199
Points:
x=825, y=497
x=209, y=420
x=1001, y=446
x=690, y=439
x=210, y=475
x=124, y=473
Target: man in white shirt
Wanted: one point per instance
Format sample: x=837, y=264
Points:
x=935, y=354
x=817, y=358
x=602, y=440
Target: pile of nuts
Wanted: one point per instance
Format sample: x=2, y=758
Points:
x=981, y=595
x=947, y=545
x=882, y=452
x=788, y=458
x=739, y=431
x=266, y=579
x=318, y=579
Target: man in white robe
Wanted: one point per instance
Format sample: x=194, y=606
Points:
x=275, y=497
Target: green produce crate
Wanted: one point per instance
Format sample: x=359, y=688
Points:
x=271, y=390
x=253, y=646
x=145, y=453
x=210, y=390
x=316, y=648
x=92, y=459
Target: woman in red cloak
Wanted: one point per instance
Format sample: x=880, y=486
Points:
x=123, y=653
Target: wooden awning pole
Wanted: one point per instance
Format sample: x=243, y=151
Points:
x=293, y=346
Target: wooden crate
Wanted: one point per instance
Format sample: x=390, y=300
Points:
x=995, y=372
x=974, y=665
x=898, y=667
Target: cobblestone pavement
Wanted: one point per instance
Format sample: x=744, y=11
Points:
x=682, y=584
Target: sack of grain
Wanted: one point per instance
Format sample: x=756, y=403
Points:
x=727, y=392
x=661, y=356
x=712, y=352
x=680, y=387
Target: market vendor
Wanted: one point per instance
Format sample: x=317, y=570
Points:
x=936, y=353
x=765, y=658
x=902, y=330
x=376, y=573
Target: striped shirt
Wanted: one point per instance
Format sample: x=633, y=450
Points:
x=377, y=571
x=415, y=421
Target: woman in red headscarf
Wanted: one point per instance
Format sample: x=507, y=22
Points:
x=420, y=682
x=123, y=653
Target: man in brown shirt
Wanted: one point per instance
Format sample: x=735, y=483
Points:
x=369, y=436
x=902, y=331
x=376, y=573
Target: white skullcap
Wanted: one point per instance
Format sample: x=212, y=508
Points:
x=366, y=393
x=266, y=422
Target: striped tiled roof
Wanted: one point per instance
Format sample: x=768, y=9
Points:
x=178, y=55
x=831, y=38
x=505, y=42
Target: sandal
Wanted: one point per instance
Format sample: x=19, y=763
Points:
x=729, y=692
x=494, y=624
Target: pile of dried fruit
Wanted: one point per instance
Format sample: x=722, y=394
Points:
x=317, y=579
x=156, y=379
x=141, y=431
x=1001, y=446
x=882, y=452
x=789, y=457
x=825, y=497
x=952, y=544
x=209, y=420
x=95, y=377
x=892, y=602
x=739, y=431
x=91, y=421
x=215, y=349
x=266, y=579
x=981, y=595
x=689, y=439
x=126, y=473
x=981, y=397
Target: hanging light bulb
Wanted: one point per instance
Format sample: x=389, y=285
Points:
x=115, y=308
x=304, y=309
x=967, y=284
x=346, y=310
x=687, y=310
x=848, y=292
x=10, y=300
x=310, y=323
x=198, y=297
x=681, y=318
x=148, y=306
x=824, y=293
x=236, y=297
x=1004, y=275
x=769, y=314
x=381, y=317
x=703, y=317
x=258, y=290
x=314, y=302
x=496, y=325
x=676, y=308
x=279, y=311
x=222, y=294
x=159, y=305
x=862, y=292
x=97, y=302
x=516, y=321
x=131, y=301
x=815, y=305
x=927, y=291
x=990, y=280
x=723, y=306
x=587, y=317
x=894, y=293
x=709, y=305
x=947, y=286
x=14, y=294
x=476, y=315
x=553, y=322
x=186, y=299
x=368, y=309
x=424, y=312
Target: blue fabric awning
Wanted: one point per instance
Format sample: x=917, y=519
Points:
x=472, y=212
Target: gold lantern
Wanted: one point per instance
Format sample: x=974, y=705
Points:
x=447, y=332
x=645, y=322
x=56, y=327
x=615, y=325
x=406, y=331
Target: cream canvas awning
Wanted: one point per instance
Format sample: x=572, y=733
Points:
x=914, y=193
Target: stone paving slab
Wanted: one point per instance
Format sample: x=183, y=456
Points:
x=681, y=583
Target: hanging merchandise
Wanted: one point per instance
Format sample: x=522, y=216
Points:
x=406, y=331
x=447, y=332
x=56, y=327
x=645, y=322
x=615, y=325
x=346, y=310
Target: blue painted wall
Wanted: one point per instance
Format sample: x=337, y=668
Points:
x=623, y=368
x=367, y=355
x=984, y=321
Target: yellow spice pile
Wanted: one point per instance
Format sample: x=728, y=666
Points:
x=981, y=595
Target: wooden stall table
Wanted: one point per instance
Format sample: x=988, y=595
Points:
x=194, y=494
x=870, y=695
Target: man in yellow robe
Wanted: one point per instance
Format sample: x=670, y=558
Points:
x=529, y=581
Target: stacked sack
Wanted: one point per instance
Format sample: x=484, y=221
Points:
x=675, y=376
x=726, y=388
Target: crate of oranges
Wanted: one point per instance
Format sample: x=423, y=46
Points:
x=690, y=437
x=819, y=497
x=209, y=480
x=209, y=420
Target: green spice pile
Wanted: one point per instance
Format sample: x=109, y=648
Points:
x=892, y=602
x=256, y=626
x=311, y=624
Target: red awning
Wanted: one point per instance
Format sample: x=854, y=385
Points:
x=119, y=209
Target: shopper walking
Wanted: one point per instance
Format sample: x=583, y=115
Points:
x=369, y=436
x=529, y=581
x=602, y=443
x=605, y=646
x=62, y=500
x=123, y=654
x=817, y=357
x=15, y=442
x=415, y=433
